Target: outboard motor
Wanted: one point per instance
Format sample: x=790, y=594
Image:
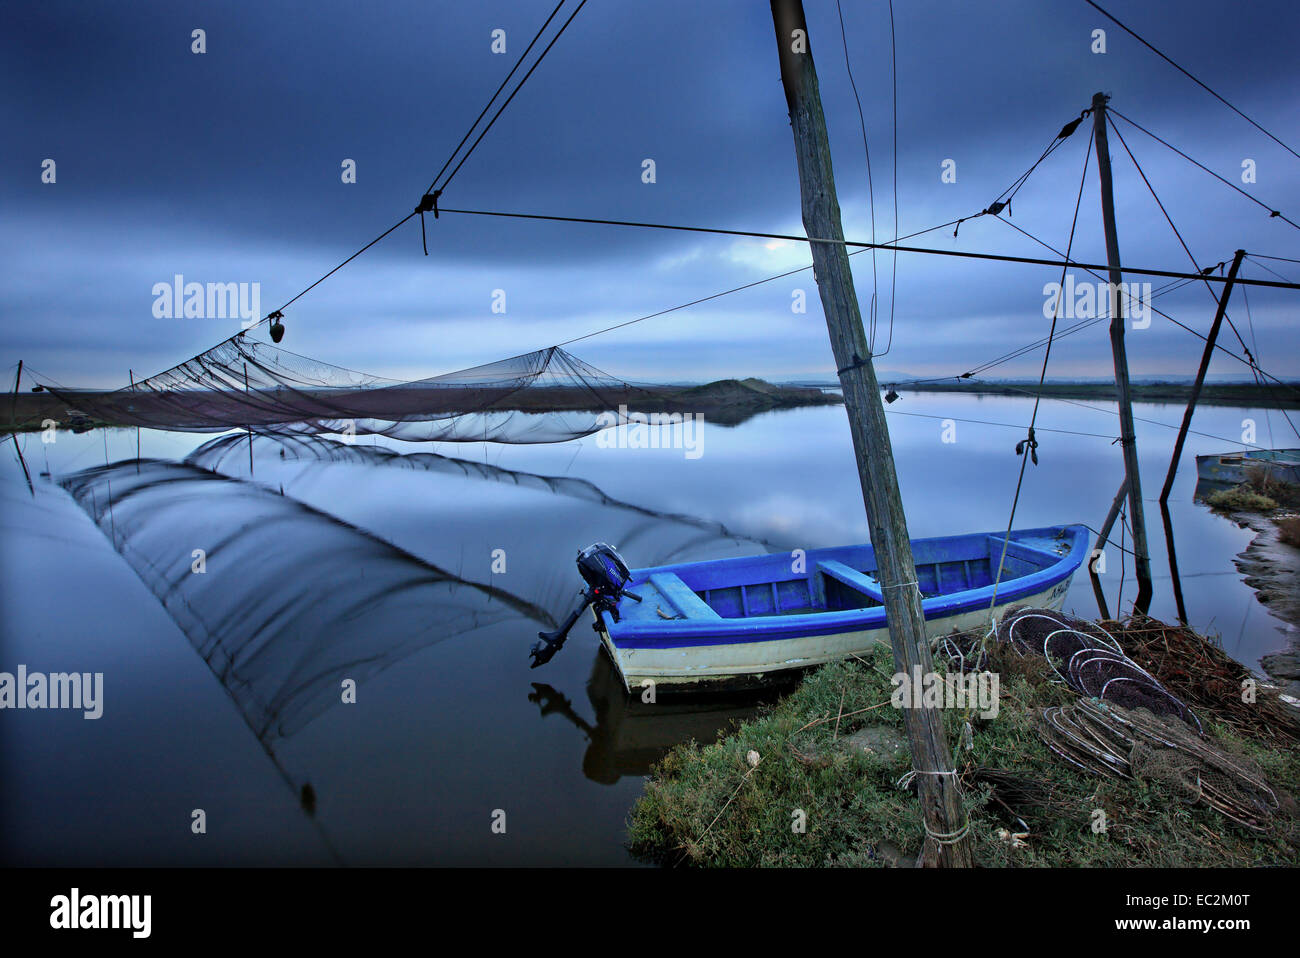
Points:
x=606, y=574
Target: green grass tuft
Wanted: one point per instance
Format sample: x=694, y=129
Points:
x=706, y=805
x=1241, y=499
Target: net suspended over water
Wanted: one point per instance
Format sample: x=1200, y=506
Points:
x=545, y=396
x=292, y=599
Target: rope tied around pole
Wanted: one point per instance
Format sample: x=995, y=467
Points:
x=900, y=585
x=940, y=838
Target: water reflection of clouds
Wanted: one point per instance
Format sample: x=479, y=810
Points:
x=293, y=599
x=283, y=602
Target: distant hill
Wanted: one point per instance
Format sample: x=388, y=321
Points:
x=730, y=401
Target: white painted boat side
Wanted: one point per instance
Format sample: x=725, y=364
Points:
x=753, y=660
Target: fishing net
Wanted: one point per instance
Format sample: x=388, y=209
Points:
x=678, y=537
x=279, y=639
x=1089, y=660
x=1203, y=675
x=294, y=596
x=545, y=396
x=1120, y=743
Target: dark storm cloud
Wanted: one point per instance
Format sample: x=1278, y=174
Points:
x=225, y=168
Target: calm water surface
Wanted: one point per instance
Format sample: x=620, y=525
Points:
x=383, y=563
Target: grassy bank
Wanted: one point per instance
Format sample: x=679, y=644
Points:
x=830, y=750
x=1259, y=493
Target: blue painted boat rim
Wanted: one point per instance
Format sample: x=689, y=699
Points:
x=684, y=633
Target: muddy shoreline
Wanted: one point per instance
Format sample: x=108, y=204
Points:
x=1272, y=569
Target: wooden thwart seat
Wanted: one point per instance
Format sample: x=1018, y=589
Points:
x=852, y=578
x=681, y=597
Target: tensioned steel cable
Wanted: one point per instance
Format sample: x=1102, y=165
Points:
x=1276, y=214
x=1189, y=75
x=727, y=292
x=963, y=254
x=1181, y=242
x=1194, y=278
x=1027, y=448
x=513, y=93
x=871, y=189
x=412, y=214
x=487, y=106
x=893, y=273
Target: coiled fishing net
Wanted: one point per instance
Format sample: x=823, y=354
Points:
x=1209, y=680
x=1110, y=740
x=1089, y=660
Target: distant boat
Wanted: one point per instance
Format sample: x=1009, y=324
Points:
x=1233, y=467
x=732, y=622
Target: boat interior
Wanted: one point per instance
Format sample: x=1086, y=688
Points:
x=829, y=580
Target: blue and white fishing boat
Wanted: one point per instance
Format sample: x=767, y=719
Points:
x=1282, y=465
x=736, y=621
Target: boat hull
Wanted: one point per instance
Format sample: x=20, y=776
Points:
x=702, y=651
x=737, y=665
x=1282, y=465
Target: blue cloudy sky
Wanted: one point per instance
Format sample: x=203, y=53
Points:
x=225, y=167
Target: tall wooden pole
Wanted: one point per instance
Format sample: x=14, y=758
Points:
x=940, y=795
x=1206, y=355
x=131, y=373
x=13, y=432
x=249, y=428
x=1128, y=436
x=13, y=406
x=1099, y=550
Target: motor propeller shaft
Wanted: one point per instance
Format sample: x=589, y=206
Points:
x=542, y=652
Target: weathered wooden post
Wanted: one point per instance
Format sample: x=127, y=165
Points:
x=1128, y=437
x=1206, y=355
x=248, y=428
x=13, y=405
x=940, y=795
x=131, y=375
x=13, y=430
x=1099, y=550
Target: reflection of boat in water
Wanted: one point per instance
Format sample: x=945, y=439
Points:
x=630, y=734
x=1282, y=465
